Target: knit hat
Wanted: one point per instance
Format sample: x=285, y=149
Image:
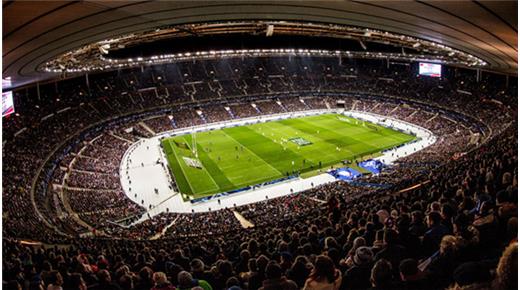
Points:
x=363, y=256
x=197, y=265
x=286, y=255
x=471, y=272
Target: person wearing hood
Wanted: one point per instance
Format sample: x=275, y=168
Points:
x=358, y=276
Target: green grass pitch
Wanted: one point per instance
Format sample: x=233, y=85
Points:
x=236, y=157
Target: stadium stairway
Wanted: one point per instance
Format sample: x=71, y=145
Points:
x=64, y=198
x=201, y=115
x=317, y=200
x=327, y=105
x=174, y=125
x=230, y=112
x=142, y=124
x=243, y=221
x=120, y=138
x=411, y=115
x=375, y=107
x=257, y=109
x=431, y=119
x=307, y=107
x=281, y=105
x=164, y=230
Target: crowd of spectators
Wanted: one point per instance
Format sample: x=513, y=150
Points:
x=95, y=167
x=457, y=231
x=100, y=206
x=457, y=228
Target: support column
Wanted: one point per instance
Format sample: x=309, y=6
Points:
x=38, y=90
x=87, y=82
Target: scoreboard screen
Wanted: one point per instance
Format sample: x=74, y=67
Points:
x=430, y=69
x=7, y=103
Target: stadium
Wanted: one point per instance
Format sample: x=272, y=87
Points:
x=259, y=145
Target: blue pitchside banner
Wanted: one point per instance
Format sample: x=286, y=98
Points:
x=346, y=173
x=374, y=166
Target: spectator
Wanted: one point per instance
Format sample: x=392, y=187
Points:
x=126, y=282
x=411, y=277
x=77, y=282
x=257, y=277
x=56, y=281
x=299, y=271
x=105, y=282
x=477, y=272
x=144, y=281
x=348, y=262
x=275, y=280
x=161, y=282
x=186, y=282
x=12, y=285
x=324, y=275
x=381, y=276
x=507, y=269
x=443, y=265
x=198, y=269
x=433, y=236
x=392, y=251
x=358, y=276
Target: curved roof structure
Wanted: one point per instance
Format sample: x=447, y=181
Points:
x=38, y=31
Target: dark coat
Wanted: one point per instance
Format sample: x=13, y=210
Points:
x=279, y=284
x=357, y=277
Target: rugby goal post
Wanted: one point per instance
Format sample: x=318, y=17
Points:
x=194, y=144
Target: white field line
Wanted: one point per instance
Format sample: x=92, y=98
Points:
x=180, y=165
x=207, y=172
x=276, y=170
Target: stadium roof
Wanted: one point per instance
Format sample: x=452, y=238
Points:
x=35, y=32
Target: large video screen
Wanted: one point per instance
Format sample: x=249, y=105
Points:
x=430, y=69
x=7, y=103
